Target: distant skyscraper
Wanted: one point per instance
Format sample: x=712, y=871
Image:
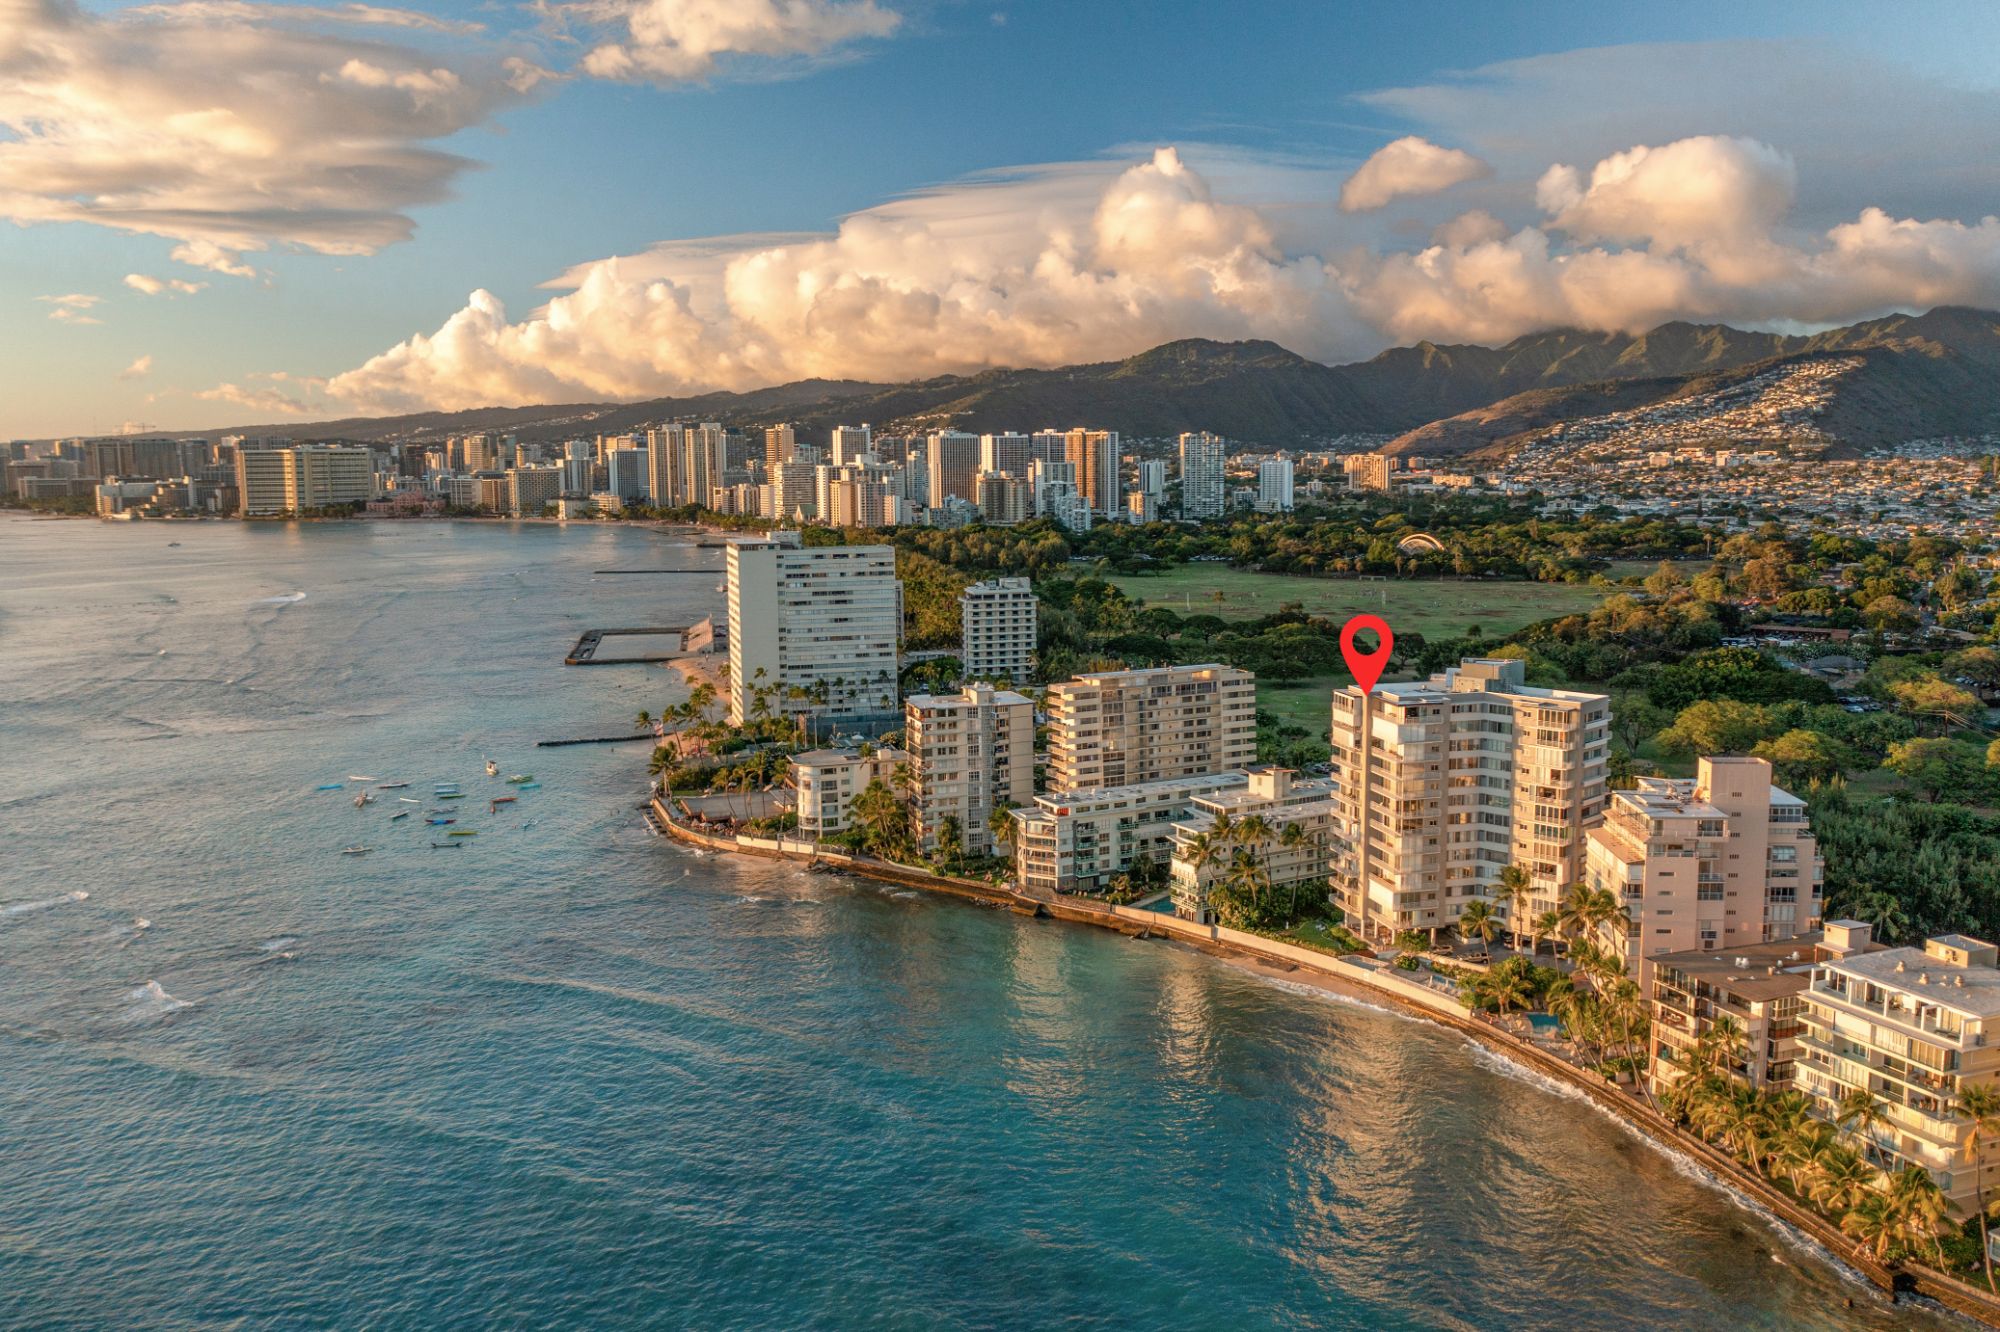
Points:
x=781, y=445
x=1202, y=461
x=1274, y=485
x=1094, y=453
x=849, y=443
x=1007, y=453
x=954, y=466
x=1004, y=499
x=1152, y=478
x=625, y=470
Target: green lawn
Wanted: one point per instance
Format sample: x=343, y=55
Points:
x=1308, y=703
x=1434, y=609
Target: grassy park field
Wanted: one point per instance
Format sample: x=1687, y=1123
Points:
x=1435, y=609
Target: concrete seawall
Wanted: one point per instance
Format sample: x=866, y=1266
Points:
x=1383, y=981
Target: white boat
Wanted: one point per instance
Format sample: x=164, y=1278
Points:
x=355, y=850
x=353, y=778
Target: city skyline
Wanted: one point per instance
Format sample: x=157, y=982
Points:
x=188, y=257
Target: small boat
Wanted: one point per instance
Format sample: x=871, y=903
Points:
x=462, y=832
x=439, y=823
x=451, y=795
x=409, y=800
x=498, y=801
x=531, y=786
x=355, y=850
x=446, y=846
x=363, y=799
x=392, y=786
x=399, y=814
x=353, y=778
x=520, y=779
x=492, y=768
x=173, y=543
x=330, y=786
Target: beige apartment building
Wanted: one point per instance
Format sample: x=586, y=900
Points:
x=1914, y=1026
x=1446, y=782
x=1760, y=986
x=1717, y=861
x=1075, y=841
x=1123, y=728
x=999, y=619
x=972, y=752
x=300, y=477
x=1300, y=817
x=825, y=781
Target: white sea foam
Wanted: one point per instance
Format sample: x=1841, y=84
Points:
x=23, y=908
x=278, y=944
x=282, y=599
x=150, y=1002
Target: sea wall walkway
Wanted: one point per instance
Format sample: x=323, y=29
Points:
x=1381, y=980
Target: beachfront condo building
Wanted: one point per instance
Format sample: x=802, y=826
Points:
x=531, y=489
x=812, y=630
x=1121, y=728
x=685, y=462
x=1076, y=841
x=972, y=752
x=1717, y=861
x=301, y=477
x=1914, y=1027
x=1282, y=825
x=825, y=782
x=999, y=618
x=1447, y=781
x=1204, y=459
x=1759, y=986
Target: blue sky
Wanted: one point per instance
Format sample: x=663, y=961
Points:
x=1271, y=106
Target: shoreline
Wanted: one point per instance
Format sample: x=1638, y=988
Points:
x=1366, y=983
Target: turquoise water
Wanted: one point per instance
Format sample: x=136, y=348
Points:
x=572, y=1076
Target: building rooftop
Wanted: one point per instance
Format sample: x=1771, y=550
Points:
x=1973, y=990
x=1756, y=972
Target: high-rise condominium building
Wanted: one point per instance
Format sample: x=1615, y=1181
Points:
x=1716, y=861
x=973, y=752
x=1203, y=460
x=849, y=444
x=1005, y=499
x=781, y=445
x=1370, y=471
x=1119, y=728
x=625, y=473
x=953, y=460
x=1008, y=453
x=305, y=476
x=1094, y=454
x=1915, y=1027
x=1141, y=507
x=812, y=630
x=1274, y=485
x=529, y=488
x=1446, y=782
x=685, y=462
x=1000, y=622
x=1151, y=477
x=1289, y=825
x=794, y=492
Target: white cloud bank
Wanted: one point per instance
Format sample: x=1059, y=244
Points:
x=1409, y=166
x=139, y=369
x=1090, y=262
x=675, y=40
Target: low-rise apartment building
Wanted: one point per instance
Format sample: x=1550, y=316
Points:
x=1914, y=1027
x=1760, y=986
x=1294, y=822
x=972, y=752
x=1075, y=841
x=825, y=782
x=1124, y=728
x=999, y=618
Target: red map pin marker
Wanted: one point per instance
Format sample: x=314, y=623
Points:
x=1367, y=666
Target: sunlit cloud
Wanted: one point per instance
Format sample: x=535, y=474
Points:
x=148, y=285
x=1409, y=166
x=671, y=41
x=139, y=369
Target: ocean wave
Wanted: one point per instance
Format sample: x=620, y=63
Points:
x=282, y=599
x=150, y=1002
x=279, y=944
x=23, y=908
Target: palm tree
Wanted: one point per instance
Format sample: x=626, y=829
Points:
x=1000, y=824
x=1546, y=926
x=1292, y=838
x=1860, y=1112
x=1844, y=1179
x=1506, y=985
x=1478, y=921
x=1920, y=1208
x=1979, y=1106
x=644, y=721
x=1872, y=1221
x=1514, y=884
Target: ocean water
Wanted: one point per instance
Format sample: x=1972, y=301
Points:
x=570, y=1075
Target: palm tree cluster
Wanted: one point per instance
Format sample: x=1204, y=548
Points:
x=1890, y=1213
x=1244, y=895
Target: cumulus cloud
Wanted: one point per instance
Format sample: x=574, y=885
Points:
x=270, y=400
x=231, y=127
x=148, y=285
x=73, y=308
x=1091, y=261
x=675, y=40
x=139, y=369
x=1410, y=166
